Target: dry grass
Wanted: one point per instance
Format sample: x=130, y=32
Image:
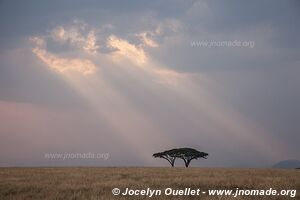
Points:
x=97, y=183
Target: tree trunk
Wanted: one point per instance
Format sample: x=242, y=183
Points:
x=186, y=163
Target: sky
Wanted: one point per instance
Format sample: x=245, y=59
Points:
x=128, y=79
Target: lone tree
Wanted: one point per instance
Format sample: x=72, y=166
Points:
x=186, y=154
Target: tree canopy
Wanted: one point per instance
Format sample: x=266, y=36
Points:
x=186, y=154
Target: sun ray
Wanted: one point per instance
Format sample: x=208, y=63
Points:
x=134, y=126
x=184, y=86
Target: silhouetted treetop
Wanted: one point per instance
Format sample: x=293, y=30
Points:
x=186, y=154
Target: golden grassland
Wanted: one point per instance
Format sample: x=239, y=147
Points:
x=97, y=183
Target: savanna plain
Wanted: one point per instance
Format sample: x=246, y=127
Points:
x=97, y=183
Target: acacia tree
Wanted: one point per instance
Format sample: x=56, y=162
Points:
x=186, y=154
x=167, y=155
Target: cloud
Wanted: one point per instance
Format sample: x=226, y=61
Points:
x=38, y=41
x=137, y=55
x=64, y=65
x=121, y=51
x=90, y=45
x=77, y=35
x=126, y=50
x=147, y=41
